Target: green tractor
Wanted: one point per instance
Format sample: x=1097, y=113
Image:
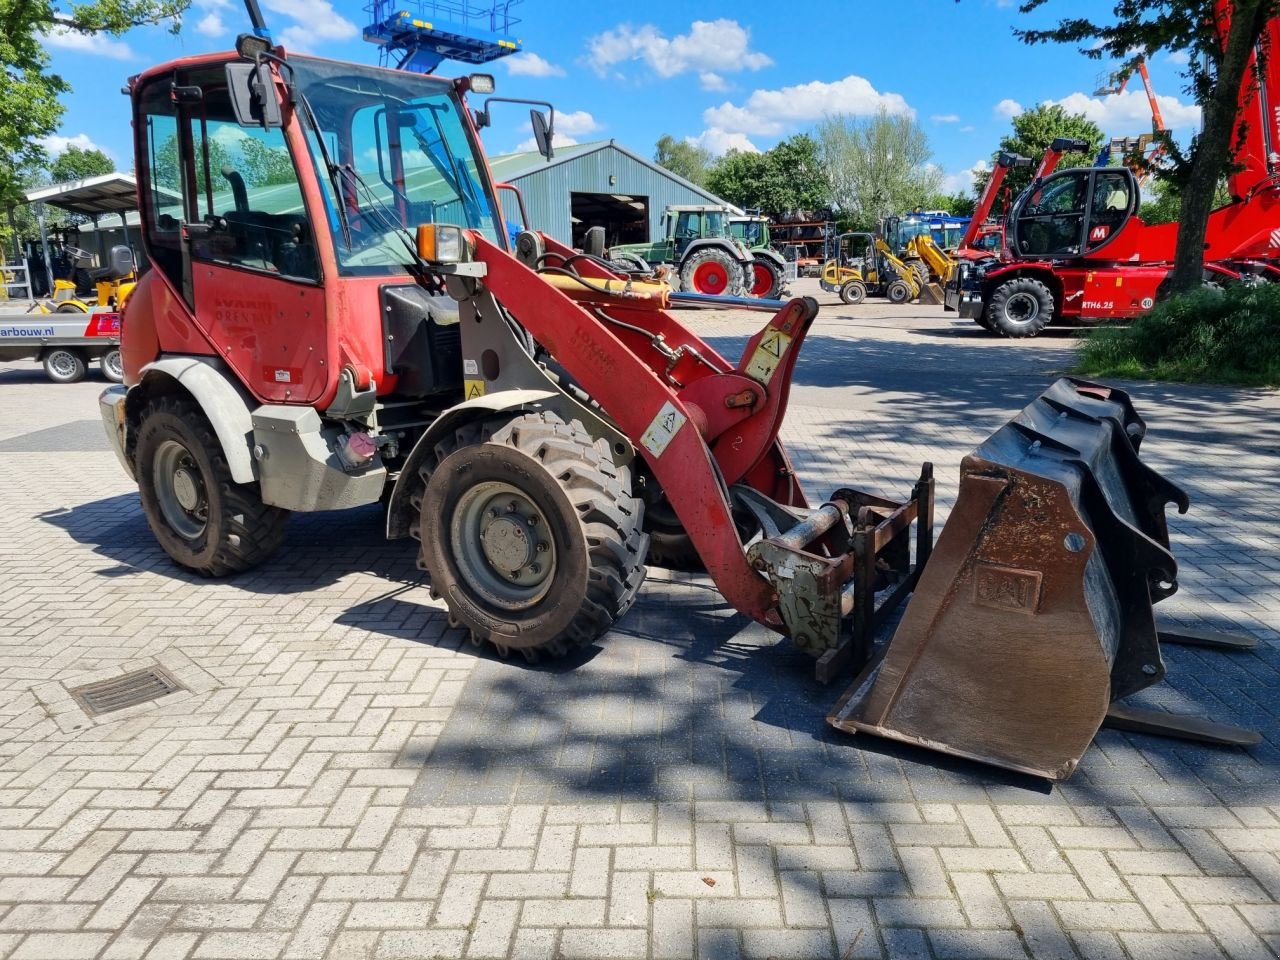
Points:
x=698, y=248
x=768, y=268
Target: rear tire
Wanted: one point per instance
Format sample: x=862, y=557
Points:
x=898, y=292
x=713, y=272
x=112, y=366
x=766, y=278
x=64, y=365
x=202, y=518
x=1020, y=307
x=853, y=292
x=530, y=534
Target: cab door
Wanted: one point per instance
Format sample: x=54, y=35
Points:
x=1073, y=213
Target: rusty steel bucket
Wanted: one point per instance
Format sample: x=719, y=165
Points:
x=1034, y=612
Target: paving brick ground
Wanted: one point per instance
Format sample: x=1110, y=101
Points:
x=345, y=777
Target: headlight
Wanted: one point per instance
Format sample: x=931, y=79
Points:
x=482, y=83
x=441, y=243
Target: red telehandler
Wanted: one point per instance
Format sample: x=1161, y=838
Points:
x=1081, y=253
x=360, y=330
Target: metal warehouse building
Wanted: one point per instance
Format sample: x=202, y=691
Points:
x=593, y=184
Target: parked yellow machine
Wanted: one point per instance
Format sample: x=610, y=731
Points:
x=863, y=266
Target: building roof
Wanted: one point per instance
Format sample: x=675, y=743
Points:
x=513, y=166
x=92, y=196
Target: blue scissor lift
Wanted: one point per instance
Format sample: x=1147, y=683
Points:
x=418, y=34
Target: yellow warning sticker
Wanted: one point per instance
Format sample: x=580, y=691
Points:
x=768, y=356
x=472, y=388
x=662, y=429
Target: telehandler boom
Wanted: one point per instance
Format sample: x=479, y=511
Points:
x=358, y=330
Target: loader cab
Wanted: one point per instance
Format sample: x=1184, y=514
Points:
x=1073, y=213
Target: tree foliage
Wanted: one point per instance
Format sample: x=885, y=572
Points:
x=682, y=158
x=1033, y=131
x=876, y=166
x=1218, y=59
x=786, y=178
x=76, y=163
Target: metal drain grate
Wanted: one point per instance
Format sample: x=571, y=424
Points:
x=126, y=690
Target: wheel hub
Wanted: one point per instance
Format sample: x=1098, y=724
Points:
x=507, y=545
x=186, y=489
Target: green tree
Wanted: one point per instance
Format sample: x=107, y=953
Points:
x=787, y=177
x=76, y=163
x=1165, y=201
x=956, y=204
x=682, y=158
x=263, y=164
x=31, y=98
x=1219, y=49
x=1033, y=131
x=876, y=166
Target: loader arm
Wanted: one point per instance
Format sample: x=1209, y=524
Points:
x=1004, y=163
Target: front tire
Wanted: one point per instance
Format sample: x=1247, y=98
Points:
x=898, y=292
x=64, y=365
x=712, y=272
x=853, y=292
x=1020, y=307
x=530, y=534
x=202, y=518
x=766, y=278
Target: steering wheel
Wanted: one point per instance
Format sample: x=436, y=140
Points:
x=77, y=253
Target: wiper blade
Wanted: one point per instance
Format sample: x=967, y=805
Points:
x=390, y=220
x=330, y=167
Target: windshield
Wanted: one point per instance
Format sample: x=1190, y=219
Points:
x=403, y=157
x=750, y=232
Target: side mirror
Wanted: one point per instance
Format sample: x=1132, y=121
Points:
x=542, y=133
x=121, y=261
x=253, y=95
x=593, y=242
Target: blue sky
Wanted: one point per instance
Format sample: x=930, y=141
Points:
x=726, y=75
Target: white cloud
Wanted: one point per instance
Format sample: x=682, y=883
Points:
x=717, y=45
x=770, y=112
x=962, y=180
x=945, y=118
x=211, y=25
x=1123, y=114
x=576, y=122
x=968, y=128
x=97, y=44
x=531, y=65
x=718, y=142
x=1008, y=108
x=317, y=22
x=559, y=140
x=1179, y=57
x=711, y=81
x=56, y=143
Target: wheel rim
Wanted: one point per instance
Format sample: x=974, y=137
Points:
x=63, y=364
x=180, y=490
x=710, y=278
x=503, y=546
x=114, y=364
x=1021, y=308
x=762, y=280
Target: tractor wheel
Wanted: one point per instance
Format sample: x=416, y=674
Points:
x=984, y=322
x=713, y=272
x=64, y=365
x=898, y=292
x=1020, y=307
x=112, y=366
x=530, y=534
x=630, y=263
x=766, y=278
x=853, y=291
x=202, y=518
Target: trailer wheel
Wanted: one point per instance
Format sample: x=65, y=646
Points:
x=712, y=271
x=766, y=278
x=1020, y=307
x=203, y=519
x=112, y=366
x=853, y=291
x=530, y=534
x=898, y=292
x=64, y=365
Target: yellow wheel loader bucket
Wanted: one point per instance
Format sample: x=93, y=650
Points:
x=1034, y=611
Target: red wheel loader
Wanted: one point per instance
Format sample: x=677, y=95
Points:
x=334, y=318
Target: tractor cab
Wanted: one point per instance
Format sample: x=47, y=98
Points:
x=685, y=224
x=1073, y=213
x=751, y=231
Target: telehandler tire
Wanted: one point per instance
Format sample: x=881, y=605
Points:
x=530, y=534
x=64, y=365
x=712, y=271
x=853, y=292
x=1020, y=307
x=898, y=292
x=202, y=518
